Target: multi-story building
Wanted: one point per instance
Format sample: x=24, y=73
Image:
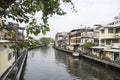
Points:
x=109, y=40
x=62, y=39
x=87, y=35
x=7, y=55
x=78, y=37
x=75, y=39
x=96, y=37
x=13, y=32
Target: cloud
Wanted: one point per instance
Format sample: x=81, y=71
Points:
x=90, y=12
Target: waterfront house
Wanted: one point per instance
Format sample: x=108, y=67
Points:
x=75, y=39
x=78, y=37
x=62, y=40
x=109, y=41
x=7, y=56
x=87, y=35
x=96, y=37
x=15, y=32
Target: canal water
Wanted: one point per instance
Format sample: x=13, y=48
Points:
x=46, y=63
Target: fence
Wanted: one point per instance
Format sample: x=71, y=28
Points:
x=14, y=72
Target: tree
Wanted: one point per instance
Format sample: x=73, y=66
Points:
x=100, y=51
x=22, y=11
x=88, y=45
x=45, y=40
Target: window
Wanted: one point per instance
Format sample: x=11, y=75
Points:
x=102, y=41
x=79, y=34
x=108, y=42
x=115, y=41
x=9, y=56
x=95, y=50
x=117, y=30
x=110, y=30
x=102, y=31
x=116, y=56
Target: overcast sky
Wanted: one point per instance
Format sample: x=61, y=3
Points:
x=89, y=12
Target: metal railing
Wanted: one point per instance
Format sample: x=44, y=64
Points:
x=11, y=74
x=113, y=62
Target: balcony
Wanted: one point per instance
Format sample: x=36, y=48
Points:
x=106, y=36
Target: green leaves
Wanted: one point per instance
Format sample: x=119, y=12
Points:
x=45, y=28
x=28, y=43
x=1, y=9
x=35, y=29
x=45, y=40
x=88, y=45
x=23, y=11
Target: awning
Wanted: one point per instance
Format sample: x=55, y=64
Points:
x=112, y=50
x=3, y=41
x=97, y=47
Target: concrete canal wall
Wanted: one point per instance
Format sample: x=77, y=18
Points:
x=21, y=67
x=105, y=63
x=68, y=51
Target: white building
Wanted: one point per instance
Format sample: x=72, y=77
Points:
x=62, y=39
x=7, y=56
x=109, y=40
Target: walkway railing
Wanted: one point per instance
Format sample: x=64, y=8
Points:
x=12, y=73
x=95, y=58
x=106, y=61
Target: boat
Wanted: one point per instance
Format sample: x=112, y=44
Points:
x=75, y=54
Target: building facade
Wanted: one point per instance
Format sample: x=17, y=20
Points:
x=62, y=40
x=75, y=39
x=12, y=32
x=78, y=37
x=109, y=41
x=105, y=37
x=7, y=56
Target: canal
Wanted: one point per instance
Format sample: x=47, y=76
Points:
x=46, y=63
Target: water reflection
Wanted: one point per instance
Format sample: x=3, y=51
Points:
x=32, y=53
x=44, y=49
x=48, y=64
x=85, y=69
